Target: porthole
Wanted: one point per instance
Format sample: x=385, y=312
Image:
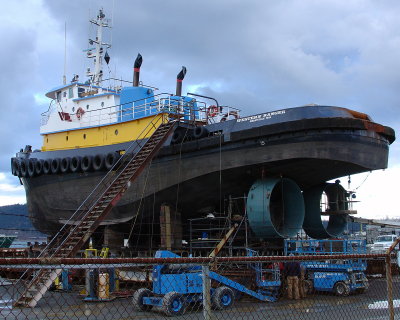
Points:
x=87, y=107
x=84, y=136
x=116, y=132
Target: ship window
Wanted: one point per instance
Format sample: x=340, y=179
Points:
x=81, y=91
x=64, y=94
x=58, y=96
x=66, y=138
x=87, y=107
x=84, y=136
x=102, y=103
x=73, y=109
x=116, y=132
x=70, y=92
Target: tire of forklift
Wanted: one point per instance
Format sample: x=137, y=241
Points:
x=138, y=299
x=222, y=298
x=173, y=304
x=341, y=289
x=308, y=287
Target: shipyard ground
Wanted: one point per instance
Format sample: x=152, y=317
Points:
x=69, y=305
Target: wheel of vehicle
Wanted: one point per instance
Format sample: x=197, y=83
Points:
x=138, y=299
x=222, y=298
x=173, y=304
x=308, y=286
x=341, y=289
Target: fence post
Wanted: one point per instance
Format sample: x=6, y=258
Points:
x=206, y=292
x=389, y=285
x=389, y=280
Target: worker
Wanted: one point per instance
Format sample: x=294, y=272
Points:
x=292, y=271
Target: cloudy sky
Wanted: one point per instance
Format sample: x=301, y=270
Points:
x=254, y=55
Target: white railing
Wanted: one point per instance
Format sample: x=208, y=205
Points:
x=180, y=107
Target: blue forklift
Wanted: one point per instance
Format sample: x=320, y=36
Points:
x=175, y=286
x=341, y=277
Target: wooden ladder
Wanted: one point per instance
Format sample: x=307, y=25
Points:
x=77, y=231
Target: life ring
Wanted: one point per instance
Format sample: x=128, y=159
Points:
x=231, y=113
x=212, y=111
x=79, y=113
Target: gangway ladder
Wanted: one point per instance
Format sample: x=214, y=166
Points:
x=77, y=231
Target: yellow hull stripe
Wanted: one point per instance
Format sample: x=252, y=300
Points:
x=100, y=136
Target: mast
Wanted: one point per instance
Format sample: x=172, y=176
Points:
x=100, y=22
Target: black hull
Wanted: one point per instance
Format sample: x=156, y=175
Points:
x=196, y=176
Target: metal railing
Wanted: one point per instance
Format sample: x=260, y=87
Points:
x=192, y=109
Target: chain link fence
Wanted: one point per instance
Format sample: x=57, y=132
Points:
x=252, y=287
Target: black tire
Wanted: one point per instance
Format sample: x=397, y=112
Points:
x=14, y=166
x=39, y=167
x=173, y=304
x=31, y=167
x=222, y=298
x=200, y=132
x=75, y=165
x=341, y=289
x=24, y=168
x=55, y=165
x=138, y=299
x=46, y=166
x=65, y=164
x=98, y=162
x=111, y=159
x=308, y=286
x=86, y=163
x=177, y=137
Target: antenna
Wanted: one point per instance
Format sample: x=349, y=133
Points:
x=65, y=54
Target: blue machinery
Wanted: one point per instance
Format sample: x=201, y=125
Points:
x=343, y=276
x=175, y=286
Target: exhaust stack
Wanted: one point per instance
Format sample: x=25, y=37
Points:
x=179, y=79
x=136, y=70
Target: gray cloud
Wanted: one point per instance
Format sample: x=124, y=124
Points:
x=254, y=55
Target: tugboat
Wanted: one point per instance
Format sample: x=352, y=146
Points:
x=280, y=159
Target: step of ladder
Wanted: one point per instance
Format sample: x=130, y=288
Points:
x=98, y=207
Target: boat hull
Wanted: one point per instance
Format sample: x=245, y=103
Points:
x=196, y=176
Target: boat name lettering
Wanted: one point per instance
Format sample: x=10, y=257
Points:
x=262, y=116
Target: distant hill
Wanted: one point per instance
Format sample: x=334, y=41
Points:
x=14, y=220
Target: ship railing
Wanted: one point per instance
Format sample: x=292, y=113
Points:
x=189, y=109
x=53, y=106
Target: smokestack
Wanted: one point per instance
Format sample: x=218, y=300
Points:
x=179, y=79
x=136, y=70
